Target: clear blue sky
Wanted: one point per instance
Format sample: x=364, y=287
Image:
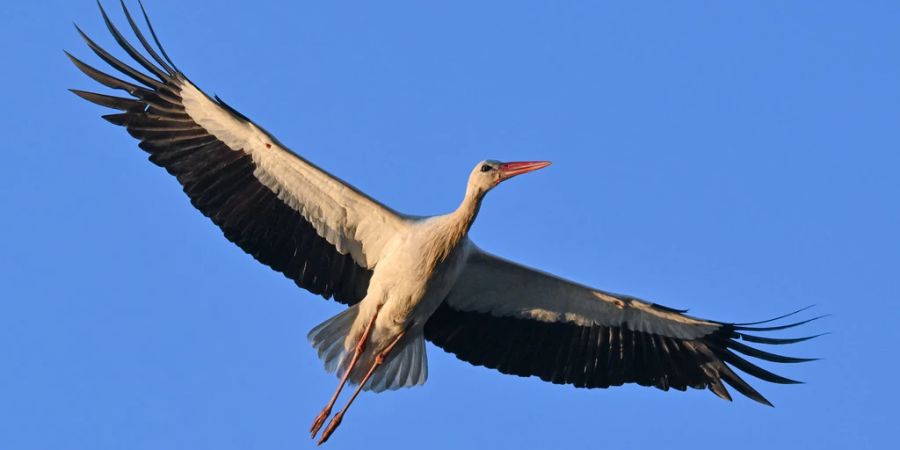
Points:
x=740, y=160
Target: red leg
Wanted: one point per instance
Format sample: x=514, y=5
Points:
x=379, y=360
x=360, y=347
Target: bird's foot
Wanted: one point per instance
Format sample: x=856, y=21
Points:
x=320, y=420
x=331, y=427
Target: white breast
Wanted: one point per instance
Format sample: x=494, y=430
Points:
x=415, y=274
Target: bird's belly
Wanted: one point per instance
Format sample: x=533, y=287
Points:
x=408, y=290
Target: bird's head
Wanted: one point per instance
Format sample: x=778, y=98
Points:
x=489, y=173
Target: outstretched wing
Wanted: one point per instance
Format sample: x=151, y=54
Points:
x=524, y=322
x=286, y=212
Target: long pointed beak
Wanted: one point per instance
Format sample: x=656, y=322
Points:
x=511, y=169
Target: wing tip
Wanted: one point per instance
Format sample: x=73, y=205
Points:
x=780, y=327
x=731, y=349
x=779, y=317
x=153, y=34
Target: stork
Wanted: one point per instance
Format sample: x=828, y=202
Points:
x=407, y=279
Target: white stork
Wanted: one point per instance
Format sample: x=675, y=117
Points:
x=406, y=279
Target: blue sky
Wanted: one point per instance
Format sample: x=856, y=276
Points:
x=740, y=160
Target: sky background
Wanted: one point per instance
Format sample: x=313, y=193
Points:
x=737, y=158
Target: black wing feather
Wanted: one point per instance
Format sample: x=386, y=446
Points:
x=599, y=356
x=219, y=180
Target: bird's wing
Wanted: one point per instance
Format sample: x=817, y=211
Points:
x=286, y=212
x=524, y=322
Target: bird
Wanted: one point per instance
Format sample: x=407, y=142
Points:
x=408, y=279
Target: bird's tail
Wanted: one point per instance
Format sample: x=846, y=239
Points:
x=405, y=366
x=329, y=336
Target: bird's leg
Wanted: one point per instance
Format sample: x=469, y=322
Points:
x=360, y=347
x=379, y=360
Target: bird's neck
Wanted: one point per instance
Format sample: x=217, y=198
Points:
x=445, y=233
x=452, y=228
x=465, y=214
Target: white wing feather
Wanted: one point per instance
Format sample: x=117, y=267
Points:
x=490, y=284
x=345, y=217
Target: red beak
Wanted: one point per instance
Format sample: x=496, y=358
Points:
x=511, y=169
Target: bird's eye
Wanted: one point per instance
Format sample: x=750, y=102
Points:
x=486, y=168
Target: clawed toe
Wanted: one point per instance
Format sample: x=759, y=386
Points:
x=331, y=427
x=317, y=424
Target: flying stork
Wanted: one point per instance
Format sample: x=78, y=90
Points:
x=408, y=279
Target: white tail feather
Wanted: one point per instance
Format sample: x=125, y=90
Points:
x=328, y=338
x=406, y=366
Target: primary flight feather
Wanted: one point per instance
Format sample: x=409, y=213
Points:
x=407, y=279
